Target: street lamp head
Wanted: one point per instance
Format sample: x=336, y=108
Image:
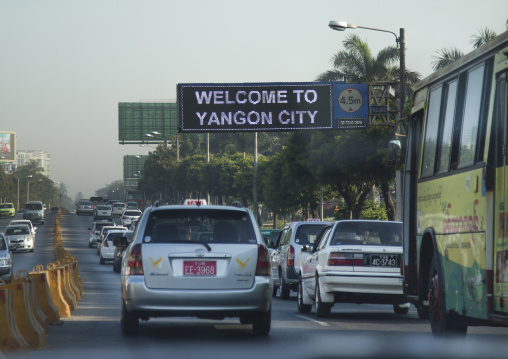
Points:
x=148, y=135
x=340, y=25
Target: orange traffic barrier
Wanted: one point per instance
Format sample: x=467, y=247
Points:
x=68, y=293
x=76, y=277
x=32, y=306
x=70, y=280
x=28, y=326
x=57, y=292
x=10, y=337
x=43, y=294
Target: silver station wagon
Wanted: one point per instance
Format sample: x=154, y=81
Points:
x=200, y=261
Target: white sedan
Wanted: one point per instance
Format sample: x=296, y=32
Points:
x=118, y=208
x=107, y=251
x=128, y=216
x=353, y=261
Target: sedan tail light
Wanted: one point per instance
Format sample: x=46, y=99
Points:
x=134, y=261
x=345, y=259
x=291, y=257
x=263, y=267
x=105, y=244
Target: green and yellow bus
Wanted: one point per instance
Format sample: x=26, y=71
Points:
x=455, y=193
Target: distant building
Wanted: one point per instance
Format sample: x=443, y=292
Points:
x=41, y=158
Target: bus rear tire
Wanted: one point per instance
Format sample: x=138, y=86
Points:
x=443, y=324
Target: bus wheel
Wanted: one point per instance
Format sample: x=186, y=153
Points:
x=441, y=322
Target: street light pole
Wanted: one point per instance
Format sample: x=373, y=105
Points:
x=401, y=43
x=17, y=209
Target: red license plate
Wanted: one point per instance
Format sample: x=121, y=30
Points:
x=194, y=268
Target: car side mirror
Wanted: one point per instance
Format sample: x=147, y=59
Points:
x=35, y=228
x=394, y=153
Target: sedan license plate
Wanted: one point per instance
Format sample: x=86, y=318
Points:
x=199, y=268
x=383, y=260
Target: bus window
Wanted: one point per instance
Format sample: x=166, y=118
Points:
x=469, y=133
x=429, y=149
x=446, y=134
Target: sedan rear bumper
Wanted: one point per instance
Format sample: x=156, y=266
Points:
x=155, y=302
x=361, y=283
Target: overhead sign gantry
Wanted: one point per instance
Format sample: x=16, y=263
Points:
x=271, y=106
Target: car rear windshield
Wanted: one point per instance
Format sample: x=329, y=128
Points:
x=132, y=213
x=211, y=226
x=99, y=225
x=104, y=208
x=33, y=206
x=118, y=204
x=306, y=234
x=110, y=235
x=370, y=233
x=6, y=205
x=14, y=231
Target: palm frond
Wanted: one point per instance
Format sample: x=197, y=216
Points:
x=445, y=57
x=331, y=75
x=484, y=36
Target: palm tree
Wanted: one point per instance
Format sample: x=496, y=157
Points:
x=446, y=57
x=484, y=36
x=357, y=64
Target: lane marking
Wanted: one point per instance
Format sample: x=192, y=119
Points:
x=324, y=324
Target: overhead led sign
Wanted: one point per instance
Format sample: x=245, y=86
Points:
x=263, y=106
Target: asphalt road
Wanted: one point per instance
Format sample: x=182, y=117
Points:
x=360, y=331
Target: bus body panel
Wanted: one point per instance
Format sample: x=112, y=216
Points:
x=460, y=215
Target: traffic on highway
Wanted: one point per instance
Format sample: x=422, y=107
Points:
x=97, y=317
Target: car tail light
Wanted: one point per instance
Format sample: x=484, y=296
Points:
x=105, y=244
x=263, y=267
x=291, y=257
x=134, y=261
x=345, y=259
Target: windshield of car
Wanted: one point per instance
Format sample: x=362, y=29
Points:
x=370, y=233
x=85, y=203
x=33, y=207
x=6, y=205
x=119, y=205
x=211, y=226
x=14, y=231
x=306, y=234
x=104, y=208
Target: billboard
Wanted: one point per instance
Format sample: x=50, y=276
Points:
x=132, y=167
x=271, y=106
x=137, y=119
x=7, y=146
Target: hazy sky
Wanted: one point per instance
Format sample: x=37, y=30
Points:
x=65, y=65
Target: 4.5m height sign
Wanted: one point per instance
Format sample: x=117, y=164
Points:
x=271, y=106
